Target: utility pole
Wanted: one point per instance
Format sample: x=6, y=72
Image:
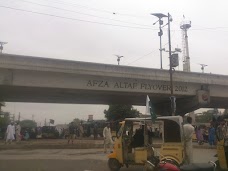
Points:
x=1, y=45
x=32, y=117
x=172, y=97
x=19, y=117
x=45, y=123
x=118, y=58
x=13, y=117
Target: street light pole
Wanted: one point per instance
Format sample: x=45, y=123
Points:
x=118, y=58
x=160, y=33
x=1, y=46
x=172, y=98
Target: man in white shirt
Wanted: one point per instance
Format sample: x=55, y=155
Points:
x=10, y=132
x=107, y=138
x=188, y=132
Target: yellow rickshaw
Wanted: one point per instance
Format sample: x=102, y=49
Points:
x=133, y=145
x=172, y=148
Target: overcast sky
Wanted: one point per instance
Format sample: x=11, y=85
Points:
x=95, y=30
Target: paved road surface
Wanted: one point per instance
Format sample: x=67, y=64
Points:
x=71, y=159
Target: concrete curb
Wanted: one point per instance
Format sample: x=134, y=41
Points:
x=74, y=146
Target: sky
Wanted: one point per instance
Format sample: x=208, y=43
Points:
x=97, y=30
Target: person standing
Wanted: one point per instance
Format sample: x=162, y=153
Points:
x=95, y=131
x=199, y=135
x=14, y=130
x=188, y=132
x=10, y=133
x=18, y=132
x=107, y=138
x=211, y=135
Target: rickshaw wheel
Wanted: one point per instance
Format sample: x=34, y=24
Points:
x=114, y=164
x=171, y=161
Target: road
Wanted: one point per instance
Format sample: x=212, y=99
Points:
x=71, y=159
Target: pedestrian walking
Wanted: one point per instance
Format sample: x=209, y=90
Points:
x=211, y=135
x=95, y=131
x=10, y=133
x=188, y=132
x=199, y=135
x=107, y=138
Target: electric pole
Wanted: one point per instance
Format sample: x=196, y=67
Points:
x=172, y=97
x=13, y=117
x=19, y=117
x=1, y=45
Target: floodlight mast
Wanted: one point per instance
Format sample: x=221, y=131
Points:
x=185, y=25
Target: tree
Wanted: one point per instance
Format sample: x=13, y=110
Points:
x=120, y=112
x=206, y=117
x=28, y=124
x=225, y=113
x=76, y=121
x=4, y=119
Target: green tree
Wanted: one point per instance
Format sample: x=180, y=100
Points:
x=4, y=119
x=28, y=124
x=76, y=121
x=206, y=117
x=225, y=113
x=118, y=112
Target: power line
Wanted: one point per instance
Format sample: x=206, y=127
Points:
x=74, y=19
x=99, y=10
x=142, y=57
x=64, y=9
x=102, y=23
x=155, y=50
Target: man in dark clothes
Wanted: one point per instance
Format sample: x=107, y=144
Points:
x=138, y=138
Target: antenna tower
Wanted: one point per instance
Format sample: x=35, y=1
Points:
x=185, y=25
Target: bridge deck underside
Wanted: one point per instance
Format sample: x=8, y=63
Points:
x=52, y=95
x=56, y=95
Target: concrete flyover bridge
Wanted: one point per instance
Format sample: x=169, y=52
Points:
x=34, y=79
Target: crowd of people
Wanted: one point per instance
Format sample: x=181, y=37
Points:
x=216, y=131
x=13, y=132
x=209, y=134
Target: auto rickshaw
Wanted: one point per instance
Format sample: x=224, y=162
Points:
x=133, y=145
x=172, y=149
x=222, y=146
